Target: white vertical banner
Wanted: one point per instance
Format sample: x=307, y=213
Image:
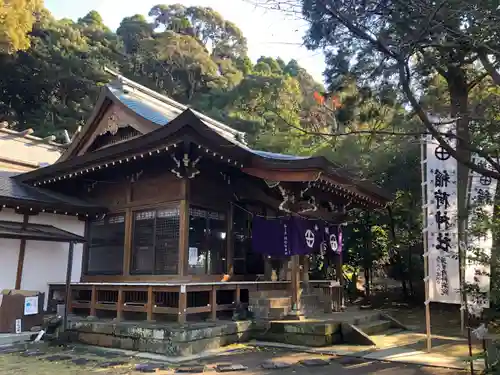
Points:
x=439, y=189
x=481, y=197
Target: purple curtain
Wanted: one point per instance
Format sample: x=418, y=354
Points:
x=333, y=238
x=294, y=236
x=271, y=236
x=306, y=235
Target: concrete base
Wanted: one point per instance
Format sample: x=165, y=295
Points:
x=302, y=332
x=168, y=339
x=173, y=339
x=14, y=338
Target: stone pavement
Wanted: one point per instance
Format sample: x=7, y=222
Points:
x=401, y=347
x=243, y=361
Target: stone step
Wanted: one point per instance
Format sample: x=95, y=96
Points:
x=360, y=319
x=257, y=294
x=272, y=302
x=375, y=327
x=271, y=313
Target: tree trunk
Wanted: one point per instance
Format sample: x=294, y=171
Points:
x=366, y=272
x=457, y=86
x=410, y=270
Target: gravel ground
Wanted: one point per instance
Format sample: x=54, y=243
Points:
x=50, y=361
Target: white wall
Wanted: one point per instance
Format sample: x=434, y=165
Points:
x=44, y=262
x=9, y=253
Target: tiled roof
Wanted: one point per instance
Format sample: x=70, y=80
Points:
x=10, y=189
x=144, y=109
x=163, y=113
x=276, y=156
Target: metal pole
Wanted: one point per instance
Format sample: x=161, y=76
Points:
x=423, y=169
x=69, y=271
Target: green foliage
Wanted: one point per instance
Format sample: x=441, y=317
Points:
x=189, y=53
x=195, y=56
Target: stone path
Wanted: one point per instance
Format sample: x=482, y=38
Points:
x=244, y=361
x=402, y=347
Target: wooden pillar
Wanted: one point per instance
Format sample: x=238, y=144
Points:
x=340, y=279
x=237, y=292
x=305, y=273
x=127, y=250
x=129, y=225
x=119, y=305
x=268, y=269
x=229, y=241
x=150, y=304
x=213, y=303
x=182, y=304
x=184, y=229
x=69, y=271
x=22, y=252
x=296, y=281
x=93, y=300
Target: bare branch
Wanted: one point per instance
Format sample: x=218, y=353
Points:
x=403, y=76
x=490, y=68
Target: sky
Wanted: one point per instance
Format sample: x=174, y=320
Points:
x=269, y=33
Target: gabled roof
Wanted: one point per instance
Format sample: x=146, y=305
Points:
x=188, y=127
x=149, y=105
x=14, y=193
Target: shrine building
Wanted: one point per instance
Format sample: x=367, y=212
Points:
x=166, y=197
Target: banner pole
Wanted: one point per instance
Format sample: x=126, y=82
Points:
x=423, y=169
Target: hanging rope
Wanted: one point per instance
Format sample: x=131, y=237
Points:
x=284, y=216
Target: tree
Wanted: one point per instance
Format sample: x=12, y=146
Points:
x=411, y=46
x=16, y=21
x=383, y=42
x=208, y=27
x=132, y=31
x=54, y=84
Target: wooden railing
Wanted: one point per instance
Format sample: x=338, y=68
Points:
x=159, y=301
x=332, y=294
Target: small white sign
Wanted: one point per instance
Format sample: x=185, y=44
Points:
x=193, y=256
x=31, y=306
x=183, y=288
x=18, y=326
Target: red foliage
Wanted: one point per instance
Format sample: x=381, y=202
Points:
x=319, y=98
x=336, y=102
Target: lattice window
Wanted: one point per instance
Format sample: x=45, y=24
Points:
x=207, y=241
x=155, y=241
x=244, y=260
x=106, y=246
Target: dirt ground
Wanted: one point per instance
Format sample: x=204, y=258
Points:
x=252, y=360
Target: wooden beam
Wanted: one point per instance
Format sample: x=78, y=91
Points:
x=280, y=175
x=22, y=252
